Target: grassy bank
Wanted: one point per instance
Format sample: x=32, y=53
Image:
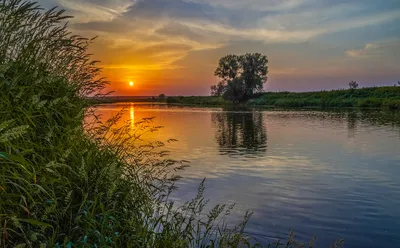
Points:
x=376, y=97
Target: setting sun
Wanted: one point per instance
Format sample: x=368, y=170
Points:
x=131, y=83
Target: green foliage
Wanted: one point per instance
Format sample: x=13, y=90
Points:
x=241, y=76
x=198, y=100
x=375, y=97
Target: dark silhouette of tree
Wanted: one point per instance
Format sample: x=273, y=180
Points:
x=241, y=76
x=240, y=133
x=254, y=72
x=235, y=90
x=217, y=90
x=161, y=96
x=353, y=85
x=228, y=67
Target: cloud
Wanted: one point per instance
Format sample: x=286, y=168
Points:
x=388, y=49
x=87, y=11
x=270, y=5
x=229, y=32
x=363, y=52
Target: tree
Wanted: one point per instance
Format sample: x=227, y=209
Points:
x=228, y=67
x=398, y=82
x=161, y=96
x=254, y=72
x=235, y=90
x=241, y=76
x=217, y=90
x=353, y=85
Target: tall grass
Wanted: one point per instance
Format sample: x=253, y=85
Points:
x=68, y=184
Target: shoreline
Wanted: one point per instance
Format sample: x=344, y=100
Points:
x=384, y=97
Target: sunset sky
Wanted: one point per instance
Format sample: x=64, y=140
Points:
x=173, y=46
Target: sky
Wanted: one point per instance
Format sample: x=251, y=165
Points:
x=173, y=46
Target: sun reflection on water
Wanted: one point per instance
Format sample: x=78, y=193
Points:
x=132, y=115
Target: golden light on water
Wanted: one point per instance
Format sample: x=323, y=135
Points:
x=132, y=115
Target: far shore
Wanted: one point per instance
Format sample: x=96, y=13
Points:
x=374, y=97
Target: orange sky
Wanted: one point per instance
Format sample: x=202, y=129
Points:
x=173, y=46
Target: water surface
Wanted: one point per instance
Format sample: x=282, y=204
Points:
x=332, y=174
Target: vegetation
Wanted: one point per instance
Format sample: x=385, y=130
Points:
x=241, y=76
x=374, y=97
x=66, y=182
x=198, y=100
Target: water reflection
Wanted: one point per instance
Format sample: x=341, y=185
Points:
x=240, y=132
x=332, y=173
x=132, y=115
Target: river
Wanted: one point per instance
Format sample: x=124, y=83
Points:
x=333, y=174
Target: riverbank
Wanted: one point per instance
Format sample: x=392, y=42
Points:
x=375, y=97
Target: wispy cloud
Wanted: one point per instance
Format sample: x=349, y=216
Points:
x=251, y=34
x=363, y=52
x=270, y=5
x=389, y=50
x=86, y=11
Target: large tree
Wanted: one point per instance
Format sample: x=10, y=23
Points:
x=241, y=76
x=254, y=71
x=228, y=67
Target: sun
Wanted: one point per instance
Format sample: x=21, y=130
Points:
x=131, y=83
